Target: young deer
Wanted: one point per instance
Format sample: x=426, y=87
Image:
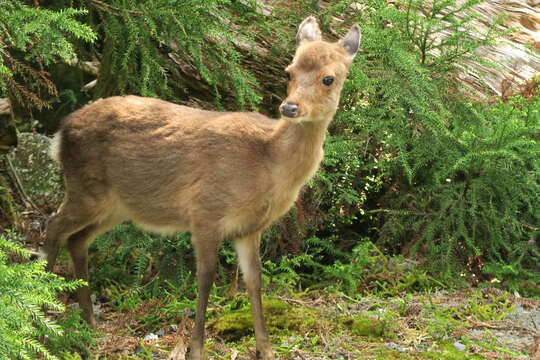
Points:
x=219, y=175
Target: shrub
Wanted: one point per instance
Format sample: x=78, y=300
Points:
x=416, y=166
x=461, y=178
x=26, y=290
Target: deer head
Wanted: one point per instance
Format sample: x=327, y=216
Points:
x=317, y=73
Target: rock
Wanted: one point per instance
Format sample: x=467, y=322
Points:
x=459, y=346
x=151, y=336
x=476, y=333
x=39, y=174
x=397, y=347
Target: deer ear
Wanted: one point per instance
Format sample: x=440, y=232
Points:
x=351, y=41
x=308, y=31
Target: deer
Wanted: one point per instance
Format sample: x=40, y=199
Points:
x=171, y=168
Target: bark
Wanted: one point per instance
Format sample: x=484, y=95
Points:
x=8, y=140
x=517, y=54
x=8, y=135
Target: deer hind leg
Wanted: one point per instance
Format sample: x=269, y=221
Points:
x=78, y=245
x=206, y=248
x=247, y=249
x=70, y=218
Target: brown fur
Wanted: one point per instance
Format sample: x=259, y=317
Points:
x=172, y=168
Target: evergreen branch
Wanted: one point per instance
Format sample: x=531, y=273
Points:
x=114, y=10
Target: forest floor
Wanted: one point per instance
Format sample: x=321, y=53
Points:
x=468, y=324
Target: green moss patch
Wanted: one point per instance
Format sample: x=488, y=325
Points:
x=280, y=318
x=368, y=325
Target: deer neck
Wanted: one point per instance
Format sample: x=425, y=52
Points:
x=298, y=149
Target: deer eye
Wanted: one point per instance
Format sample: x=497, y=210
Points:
x=288, y=75
x=328, y=80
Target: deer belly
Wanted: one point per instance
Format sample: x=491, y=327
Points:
x=246, y=220
x=162, y=219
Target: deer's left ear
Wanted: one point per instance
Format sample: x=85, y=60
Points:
x=351, y=41
x=308, y=31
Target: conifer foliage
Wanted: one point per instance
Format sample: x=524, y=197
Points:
x=147, y=42
x=32, y=38
x=26, y=289
x=461, y=177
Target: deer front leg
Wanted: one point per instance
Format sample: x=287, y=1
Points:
x=206, y=254
x=78, y=249
x=78, y=245
x=247, y=249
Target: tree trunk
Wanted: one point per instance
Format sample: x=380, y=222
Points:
x=8, y=215
x=8, y=139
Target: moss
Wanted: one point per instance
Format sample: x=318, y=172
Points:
x=39, y=174
x=233, y=325
x=440, y=352
x=368, y=325
x=280, y=318
x=447, y=352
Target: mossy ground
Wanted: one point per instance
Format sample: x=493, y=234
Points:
x=435, y=327
x=281, y=319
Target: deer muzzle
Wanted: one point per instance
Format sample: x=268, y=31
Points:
x=290, y=110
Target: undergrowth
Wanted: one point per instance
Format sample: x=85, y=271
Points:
x=28, y=291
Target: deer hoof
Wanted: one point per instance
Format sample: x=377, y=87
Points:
x=269, y=355
x=90, y=320
x=193, y=355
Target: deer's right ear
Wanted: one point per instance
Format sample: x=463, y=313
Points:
x=308, y=31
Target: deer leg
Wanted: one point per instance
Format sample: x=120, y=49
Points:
x=206, y=248
x=247, y=249
x=67, y=221
x=78, y=245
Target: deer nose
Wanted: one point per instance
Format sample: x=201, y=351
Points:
x=289, y=109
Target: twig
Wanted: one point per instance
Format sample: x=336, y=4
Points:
x=503, y=326
x=534, y=323
x=367, y=144
x=18, y=184
x=297, y=352
x=234, y=282
x=531, y=227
